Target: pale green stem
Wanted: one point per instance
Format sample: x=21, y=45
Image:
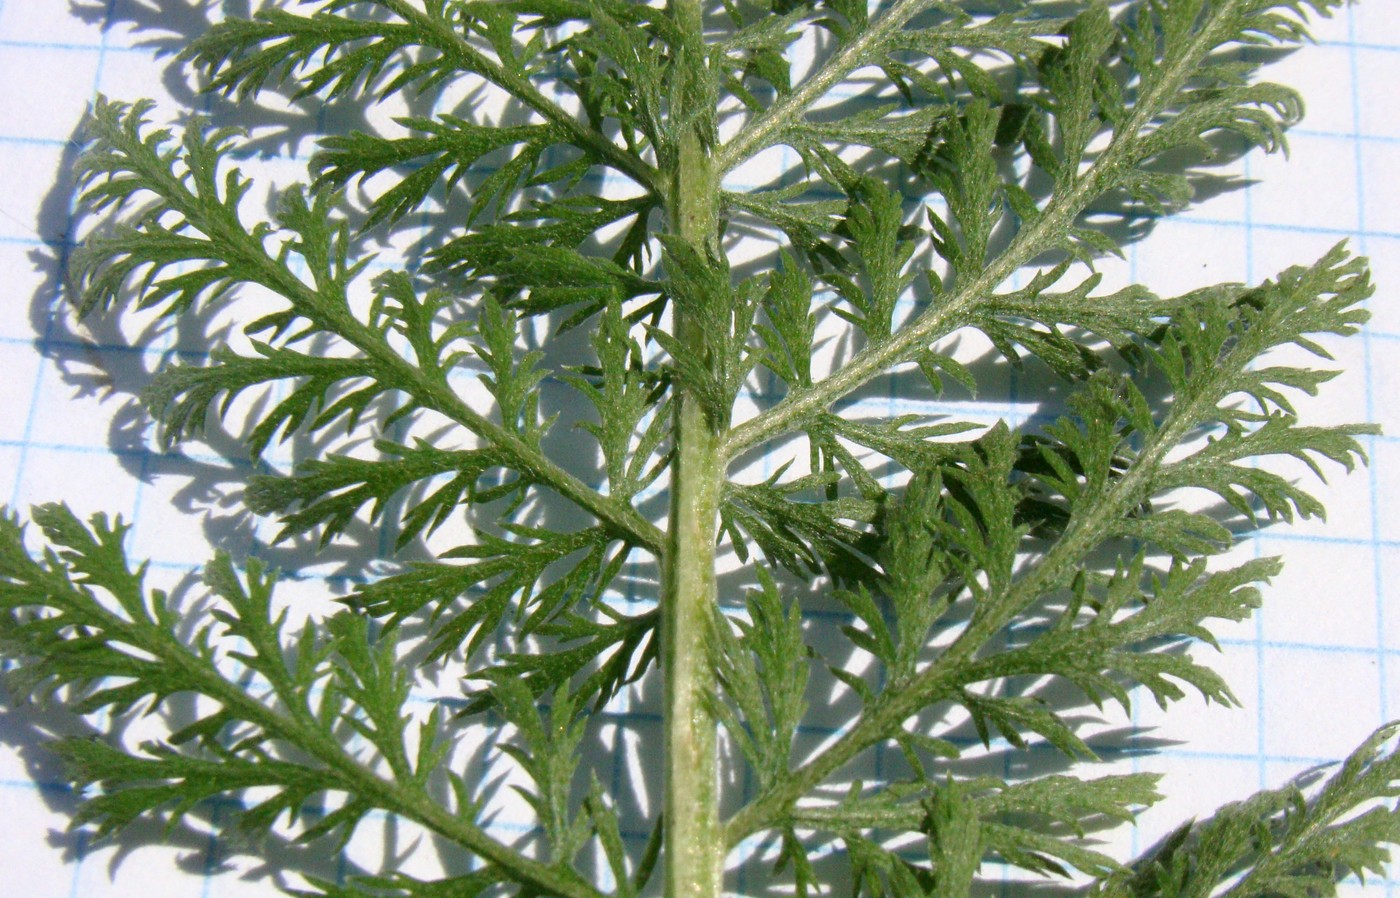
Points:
x=694, y=843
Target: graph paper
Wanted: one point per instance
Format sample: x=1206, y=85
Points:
x=1316, y=670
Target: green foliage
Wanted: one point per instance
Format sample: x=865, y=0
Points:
x=970, y=565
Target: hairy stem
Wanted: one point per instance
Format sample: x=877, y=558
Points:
x=693, y=839
x=691, y=803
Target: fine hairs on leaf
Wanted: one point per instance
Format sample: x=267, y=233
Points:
x=552, y=561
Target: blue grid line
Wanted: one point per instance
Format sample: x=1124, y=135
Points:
x=65, y=47
x=1324, y=539
x=1342, y=136
x=35, y=141
x=1321, y=649
x=1354, y=45
x=1261, y=703
x=1286, y=228
x=1378, y=583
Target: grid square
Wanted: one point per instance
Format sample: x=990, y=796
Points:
x=37, y=191
x=50, y=24
x=107, y=484
x=1322, y=598
x=136, y=74
x=1385, y=595
x=1324, y=76
x=1373, y=25
x=11, y=454
x=1274, y=248
x=1315, y=162
x=1342, y=702
x=65, y=77
x=21, y=367
x=96, y=388
x=188, y=504
x=1379, y=161
x=1212, y=249
x=31, y=277
x=1383, y=252
x=44, y=827
x=1378, y=107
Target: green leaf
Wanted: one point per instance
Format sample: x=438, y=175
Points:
x=952, y=166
